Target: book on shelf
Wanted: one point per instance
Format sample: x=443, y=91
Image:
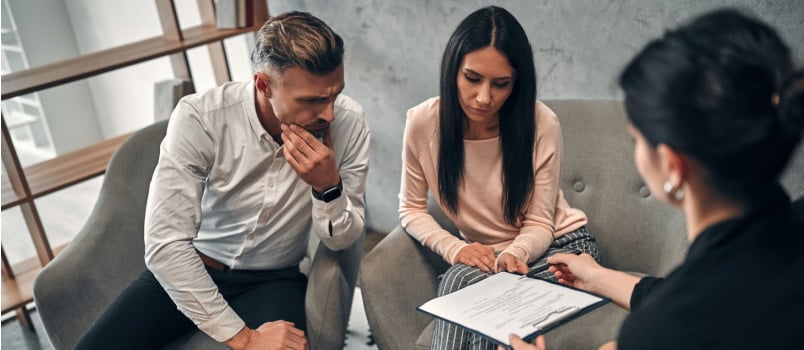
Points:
x=241, y=13
x=507, y=303
x=249, y=12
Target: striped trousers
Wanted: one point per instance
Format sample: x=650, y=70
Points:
x=449, y=336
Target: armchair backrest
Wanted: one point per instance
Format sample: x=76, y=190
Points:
x=72, y=291
x=635, y=231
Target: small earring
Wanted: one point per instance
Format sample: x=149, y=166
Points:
x=668, y=187
x=677, y=194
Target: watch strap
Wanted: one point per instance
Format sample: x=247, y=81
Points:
x=329, y=194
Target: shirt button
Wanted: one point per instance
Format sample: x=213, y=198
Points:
x=250, y=236
x=263, y=216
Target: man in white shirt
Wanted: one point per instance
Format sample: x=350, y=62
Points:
x=244, y=172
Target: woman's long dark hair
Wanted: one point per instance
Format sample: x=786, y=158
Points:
x=722, y=90
x=490, y=26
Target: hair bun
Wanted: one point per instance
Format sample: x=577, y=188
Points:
x=791, y=103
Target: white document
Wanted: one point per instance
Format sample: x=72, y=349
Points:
x=506, y=303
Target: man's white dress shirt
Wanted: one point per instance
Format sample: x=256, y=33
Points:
x=222, y=186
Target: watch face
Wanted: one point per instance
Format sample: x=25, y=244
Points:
x=331, y=194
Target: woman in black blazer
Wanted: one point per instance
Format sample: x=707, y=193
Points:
x=716, y=111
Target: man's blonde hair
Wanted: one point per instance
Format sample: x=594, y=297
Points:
x=297, y=39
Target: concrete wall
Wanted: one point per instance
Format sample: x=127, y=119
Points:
x=394, y=49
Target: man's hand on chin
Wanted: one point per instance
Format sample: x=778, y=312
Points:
x=312, y=160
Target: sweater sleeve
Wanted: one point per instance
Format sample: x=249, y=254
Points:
x=538, y=228
x=413, y=213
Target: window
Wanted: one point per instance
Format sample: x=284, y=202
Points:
x=24, y=115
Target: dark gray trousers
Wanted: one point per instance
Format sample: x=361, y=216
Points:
x=144, y=317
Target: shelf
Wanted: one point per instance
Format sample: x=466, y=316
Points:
x=65, y=170
x=84, y=66
x=18, y=291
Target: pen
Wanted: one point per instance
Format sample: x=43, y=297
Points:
x=536, y=269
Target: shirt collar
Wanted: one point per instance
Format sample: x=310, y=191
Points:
x=252, y=115
x=774, y=204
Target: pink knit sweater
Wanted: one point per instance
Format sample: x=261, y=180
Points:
x=480, y=216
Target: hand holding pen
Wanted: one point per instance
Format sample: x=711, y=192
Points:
x=576, y=271
x=543, y=266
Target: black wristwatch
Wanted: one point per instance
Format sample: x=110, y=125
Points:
x=329, y=194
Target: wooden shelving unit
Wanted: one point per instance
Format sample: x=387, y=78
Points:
x=84, y=66
x=21, y=186
x=64, y=171
x=17, y=289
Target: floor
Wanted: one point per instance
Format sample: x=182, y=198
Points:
x=14, y=336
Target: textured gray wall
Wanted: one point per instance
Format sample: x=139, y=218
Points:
x=394, y=49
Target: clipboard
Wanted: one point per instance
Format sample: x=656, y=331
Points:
x=507, y=303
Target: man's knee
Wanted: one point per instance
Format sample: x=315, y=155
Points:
x=142, y=316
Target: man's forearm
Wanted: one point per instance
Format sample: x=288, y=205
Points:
x=180, y=271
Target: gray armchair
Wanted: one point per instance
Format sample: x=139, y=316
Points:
x=107, y=254
x=634, y=232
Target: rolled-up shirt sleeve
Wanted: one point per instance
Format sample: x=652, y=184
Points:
x=340, y=222
x=172, y=219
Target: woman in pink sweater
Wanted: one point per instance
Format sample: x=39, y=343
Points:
x=490, y=154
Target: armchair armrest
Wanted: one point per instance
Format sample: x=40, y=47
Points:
x=398, y=275
x=330, y=288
